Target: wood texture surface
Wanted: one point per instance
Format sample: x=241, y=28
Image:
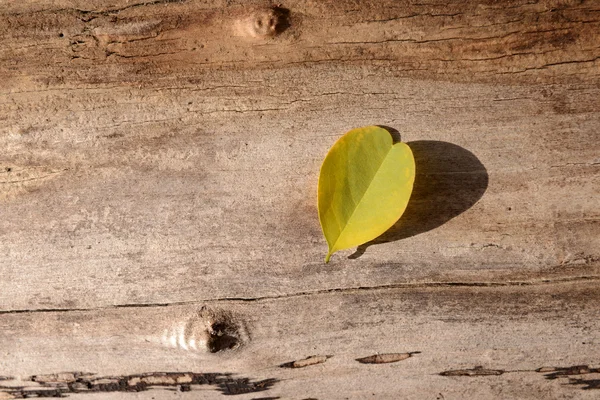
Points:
x=161, y=157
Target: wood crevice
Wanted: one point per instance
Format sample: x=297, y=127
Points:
x=349, y=290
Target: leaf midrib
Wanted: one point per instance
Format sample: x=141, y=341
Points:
x=362, y=196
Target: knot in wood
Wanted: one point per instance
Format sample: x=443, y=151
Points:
x=265, y=22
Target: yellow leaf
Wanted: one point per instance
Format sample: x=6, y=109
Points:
x=364, y=187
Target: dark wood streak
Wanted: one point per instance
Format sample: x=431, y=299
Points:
x=57, y=385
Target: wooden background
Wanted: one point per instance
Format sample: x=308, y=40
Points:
x=158, y=228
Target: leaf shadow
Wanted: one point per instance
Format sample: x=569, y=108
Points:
x=449, y=180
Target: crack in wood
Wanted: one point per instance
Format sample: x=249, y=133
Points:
x=551, y=373
x=57, y=385
x=305, y=362
x=475, y=371
x=348, y=290
x=589, y=383
x=557, y=372
x=386, y=358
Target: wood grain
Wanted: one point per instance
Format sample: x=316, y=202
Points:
x=103, y=42
x=524, y=338
x=161, y=156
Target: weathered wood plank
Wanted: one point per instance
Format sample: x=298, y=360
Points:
x=162, y=156
x=102, y=42
x=511, y=331
x=114, y=191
